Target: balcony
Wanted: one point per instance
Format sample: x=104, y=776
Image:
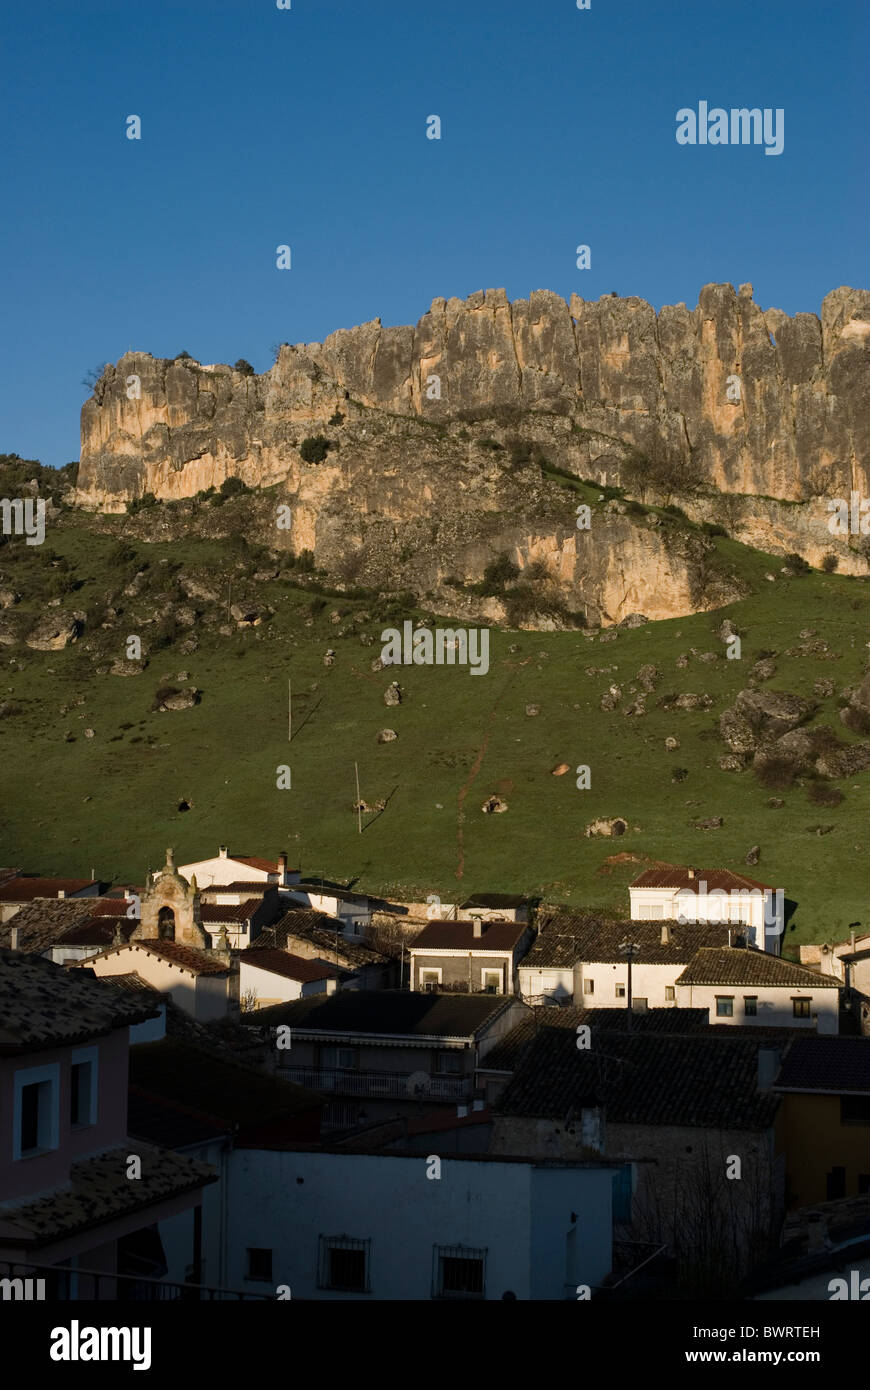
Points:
x=390, y=1085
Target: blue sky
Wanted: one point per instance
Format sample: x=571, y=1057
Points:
x=307, y=127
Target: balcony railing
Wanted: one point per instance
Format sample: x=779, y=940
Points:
x=59, y=1283
x=392, y=1085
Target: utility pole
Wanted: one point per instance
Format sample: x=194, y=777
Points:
x=629, y=949
x=358, y=802
x=289, y=711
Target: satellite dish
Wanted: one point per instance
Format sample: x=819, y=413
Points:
x=418, y=1081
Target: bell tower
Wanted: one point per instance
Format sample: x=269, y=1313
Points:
x=170, y=909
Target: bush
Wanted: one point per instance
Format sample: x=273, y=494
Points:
x=337, y=418
x=822, y=795
x=673, y=510
x=231, y=487
x=797, y=563
x=778, y=772
x=314, y=449
x=463, y=434
x=139, y=504
x=305, y=562
x=245, y=367
x=498, y=573
x=183, y=357
x=121, y=555
x=830, y=562
x=491, y=444
x=712, y=528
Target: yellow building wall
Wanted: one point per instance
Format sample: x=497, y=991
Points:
x=815, y=1142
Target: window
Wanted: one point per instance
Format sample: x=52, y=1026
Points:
x=345, y=1264
x=750, y=1005
x=36, y=1118
x=458, y=1272
x=588, y=986
x=492, y=981
x=83, y=1087
x=622, y=1185
x=670, y=992
x=430, y=979
x=855, y=1110
x=724, y=1006
x=448, y=1062
x=259, y=1264
x=339, y=1058
x=620, y=991
x=801, y=1008
x=651, y=912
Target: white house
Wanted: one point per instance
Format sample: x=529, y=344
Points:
x=271, y=976
x=670, y=892
x=353, y=910
x=579, y=958
x=225, y=868
x=396, y=1227
x=753, y=988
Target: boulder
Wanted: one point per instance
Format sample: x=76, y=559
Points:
x=771, y=712
x=532, y=711
x=753, y=856
x=393, y=694
x=494, y=806
x=387, y=736
x=127, y=668
x=648, y=678
x=606, y=827
x=672, y=743
x=54, y=632
x=763, y=670
x=181, y=699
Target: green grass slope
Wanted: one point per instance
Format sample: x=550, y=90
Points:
x=112, y=801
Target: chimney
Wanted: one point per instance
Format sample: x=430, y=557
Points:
x=13, y=938
x=61, y=892
x=222, y=852
x=768, y=1066
x=666, y=934
x=282, y=867
x=691, y=872
x=476, y=928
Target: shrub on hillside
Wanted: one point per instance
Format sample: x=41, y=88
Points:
x=822, y=795
x=797, y=564
x=244, y=367
x=498, y=573
x=314, y=448
x=139, y=504
x=830, y=562
x=232, y=486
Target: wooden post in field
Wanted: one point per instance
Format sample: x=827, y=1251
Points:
x=358, y=804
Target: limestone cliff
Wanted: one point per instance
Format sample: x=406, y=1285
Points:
x=755, y=402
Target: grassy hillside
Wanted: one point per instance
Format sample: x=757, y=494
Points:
x=111, y=801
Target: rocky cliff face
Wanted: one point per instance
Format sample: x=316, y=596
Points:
x=756, y=402
x=624, y=374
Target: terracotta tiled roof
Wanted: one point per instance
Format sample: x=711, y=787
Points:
x=747, y=966
x=566, y=936
x=642, y=1078
x=677, y=877
x=25, y=888
x=42, y=923
x=290, y=966
x=507, y=1053
x=395, y=1012
x=99, y=1190
x=189, y=958
x=44, y=1005
x=494, y=900
x=459, y=936
x=834, y=1065
x=98, y=931
x=322, y=932
x=253, y=861
x=229, y=912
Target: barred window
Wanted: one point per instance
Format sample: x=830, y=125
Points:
x=345, y=1264
x=458, y=1272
